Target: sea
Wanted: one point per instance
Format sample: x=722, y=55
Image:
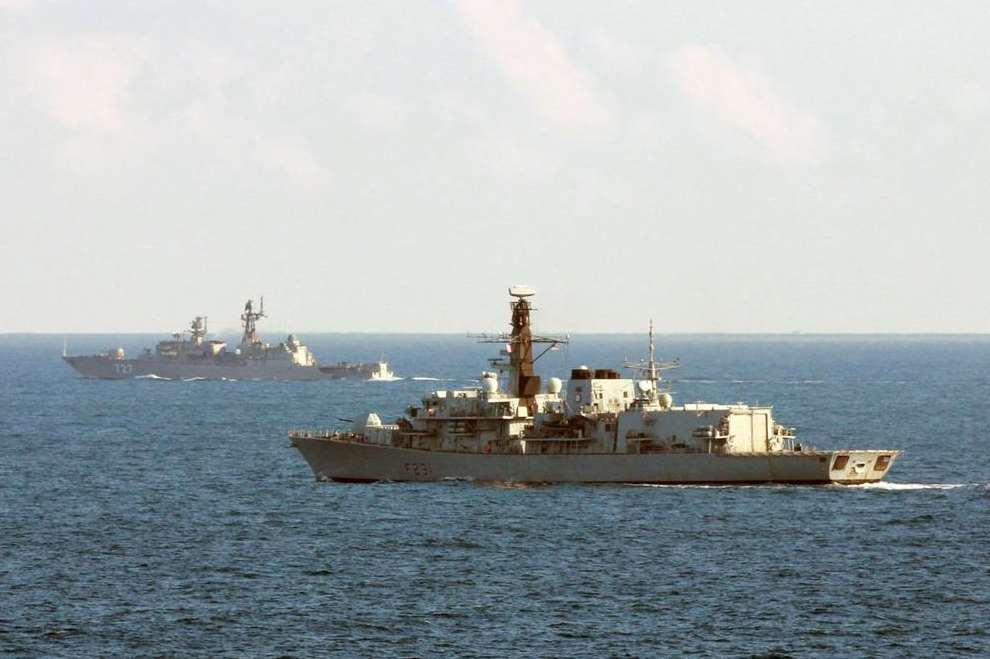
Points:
x=159, y=518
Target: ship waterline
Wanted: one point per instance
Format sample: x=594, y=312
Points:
x=95, y=366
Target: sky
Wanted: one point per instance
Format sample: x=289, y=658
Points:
x=395, y=166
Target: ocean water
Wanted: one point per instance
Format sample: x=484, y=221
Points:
x=171, y=518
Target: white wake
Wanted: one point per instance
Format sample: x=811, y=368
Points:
x=896, y=487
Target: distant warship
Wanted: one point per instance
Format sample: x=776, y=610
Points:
x=600, y=428
x=365, y=370
x=190, y=355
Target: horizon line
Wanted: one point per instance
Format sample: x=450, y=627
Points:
x=589, y=333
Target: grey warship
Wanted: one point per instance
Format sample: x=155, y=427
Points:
x=601, y=428
x=189, y=355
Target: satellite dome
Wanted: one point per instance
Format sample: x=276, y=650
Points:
x=554, y=385
x=489, y=383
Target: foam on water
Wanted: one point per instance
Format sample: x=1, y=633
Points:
x=902, y=487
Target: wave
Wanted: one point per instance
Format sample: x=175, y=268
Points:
x=882, y=485
x=709, y=381
x=394, y=378
x=426, y=379
x=718, y=486
x=150, y=376
x=194, y=379
x=902, y=487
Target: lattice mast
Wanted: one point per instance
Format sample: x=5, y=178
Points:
x=248, y=320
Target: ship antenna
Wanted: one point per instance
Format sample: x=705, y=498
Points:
x=653, y=357
x=650, y=368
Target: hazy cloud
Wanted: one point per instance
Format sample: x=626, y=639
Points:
x=509, y=157
x=970, y=98
x=85, y=83
x=293, y=160
x=375, y=112
x=534, y=62
x=737, y=93
x=616, y=56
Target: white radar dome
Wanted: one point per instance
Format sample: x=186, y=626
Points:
x=666, y=400
x=645, y=385
x=554, y=385
x=489, y=385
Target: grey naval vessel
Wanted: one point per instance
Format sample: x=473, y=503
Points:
x=365, y=370
x=189, y=355
x=599, y=428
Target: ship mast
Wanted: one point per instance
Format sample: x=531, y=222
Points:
x=197, y=330
x=248, y=320
x=650, y=369
x=523, y=382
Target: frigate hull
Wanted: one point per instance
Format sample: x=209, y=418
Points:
x=122, y=369
x=347, y=461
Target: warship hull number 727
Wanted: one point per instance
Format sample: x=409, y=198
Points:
x=600, y=428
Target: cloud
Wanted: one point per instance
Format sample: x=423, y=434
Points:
x=506, y=156
x=970, y=98
x=534, y=62
x=15, y=4
x=292, y=160
x=123, y=101
x=737, y=94
x=85, y=83
x=375, y=112
x=616, y=56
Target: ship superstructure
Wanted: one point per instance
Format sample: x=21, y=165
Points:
x=600, y=428
x=378, y=370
